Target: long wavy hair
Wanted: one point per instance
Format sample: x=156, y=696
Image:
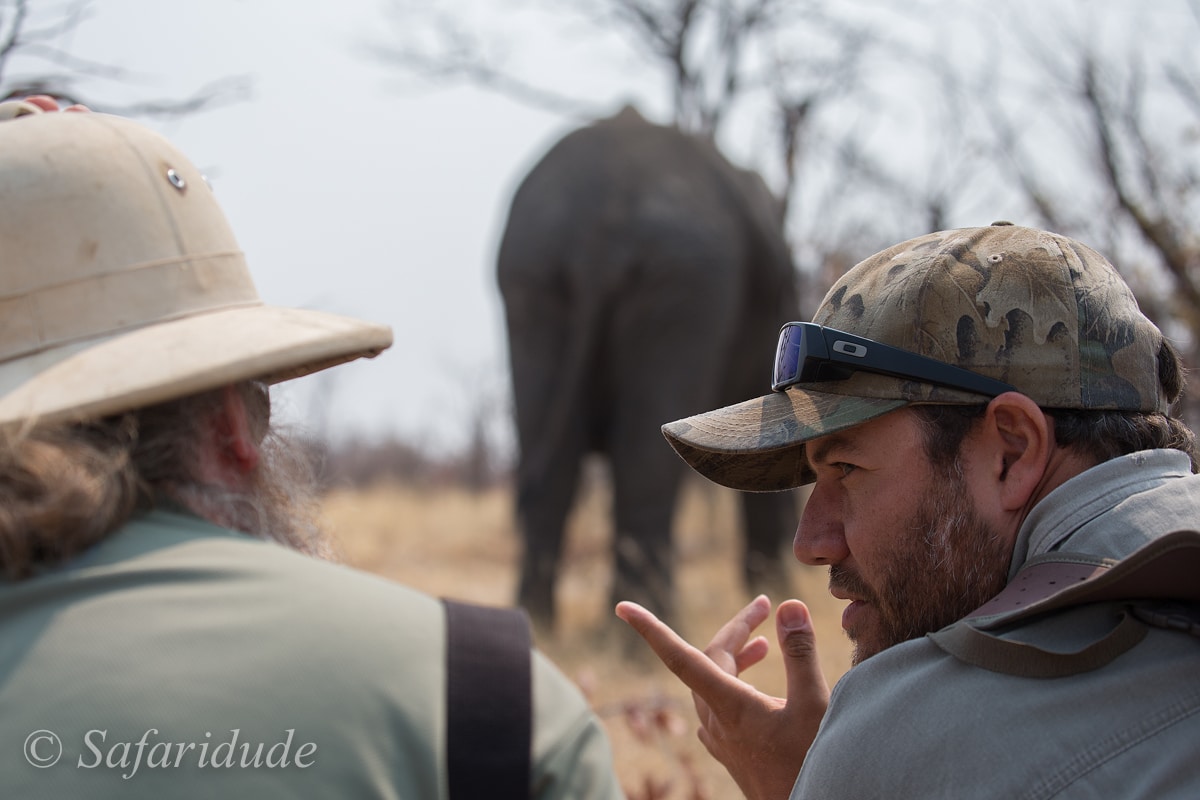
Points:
x=64, y=488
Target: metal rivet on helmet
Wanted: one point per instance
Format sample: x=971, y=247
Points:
x=176, y=180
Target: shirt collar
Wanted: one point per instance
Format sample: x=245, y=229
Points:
x=1093, y=492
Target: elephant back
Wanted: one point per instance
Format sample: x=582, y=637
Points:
x=618, y=188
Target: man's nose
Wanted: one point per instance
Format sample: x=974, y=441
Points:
x=820, y=538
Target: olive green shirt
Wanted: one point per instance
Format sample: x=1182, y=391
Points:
x=177, y=659
x=915, y=722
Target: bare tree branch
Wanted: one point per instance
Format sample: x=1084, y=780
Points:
x=221, y=92
x=701, y=46
x=12, y=39
x=72, y=64
x=21, y=36
x=1155, y=227
x=1186, y=86
x=480, y=73
x=457, y=56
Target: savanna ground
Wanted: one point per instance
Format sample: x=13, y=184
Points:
x=454, y=543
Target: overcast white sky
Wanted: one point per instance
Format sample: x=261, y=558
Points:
x=352, y=188
x=361, y=190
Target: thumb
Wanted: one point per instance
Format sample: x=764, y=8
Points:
x=11, y=109
x=806, y=685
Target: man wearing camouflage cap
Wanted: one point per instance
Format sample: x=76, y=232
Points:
x=156, y=640
x=1002, y=495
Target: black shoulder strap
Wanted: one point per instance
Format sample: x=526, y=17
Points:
x=489, y=702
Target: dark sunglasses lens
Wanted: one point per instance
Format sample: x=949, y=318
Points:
x=787, y=355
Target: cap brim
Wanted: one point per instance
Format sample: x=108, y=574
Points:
x=172, y=359
x=758, y=445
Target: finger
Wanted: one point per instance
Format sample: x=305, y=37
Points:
x=732, y=639
x=43, y=101
x=806, y=685
x=11, y=109
x=754, y=651
x=709, y=743
x=703, y=712
x=716, y=687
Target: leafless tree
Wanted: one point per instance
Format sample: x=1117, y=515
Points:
x=434, y=41
x=34, y=59
x=880, y=121
x=1081, y=117
x=1095, y=132
x=783, y=60
x=703, y=46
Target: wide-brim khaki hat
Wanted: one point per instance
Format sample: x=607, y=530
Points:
x=121, y=283
x=1041, y=313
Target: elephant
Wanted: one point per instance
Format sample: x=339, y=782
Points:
x=644, y=278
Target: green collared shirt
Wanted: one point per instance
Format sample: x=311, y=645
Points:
x=177, y=659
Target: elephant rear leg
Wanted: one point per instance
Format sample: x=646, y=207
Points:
x=643, y=568
x=542, y=508
x=670, y=338
x=552, y=433
x=646, y=479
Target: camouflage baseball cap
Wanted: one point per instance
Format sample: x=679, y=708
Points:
x=1040, y=312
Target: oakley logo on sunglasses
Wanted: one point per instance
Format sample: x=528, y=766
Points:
x=810, y=353
x=849, y=349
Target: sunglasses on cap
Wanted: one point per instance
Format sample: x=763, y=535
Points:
x=810, y=353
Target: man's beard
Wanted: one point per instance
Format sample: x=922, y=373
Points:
x=951, y=563
x=279, y=501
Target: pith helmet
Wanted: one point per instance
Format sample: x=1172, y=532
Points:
x=121, y=283
x=1040, y=312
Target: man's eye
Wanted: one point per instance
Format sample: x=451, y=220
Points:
x=845, y=468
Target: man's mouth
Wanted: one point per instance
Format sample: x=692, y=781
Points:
x=846, y=585
x=852, y=615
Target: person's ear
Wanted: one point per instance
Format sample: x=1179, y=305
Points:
x=231, y=450
x=1019, y=440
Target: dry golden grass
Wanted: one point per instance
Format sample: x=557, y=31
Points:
x=448, y=542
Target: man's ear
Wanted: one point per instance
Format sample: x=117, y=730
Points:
x=1018, y=441
x=230, y=451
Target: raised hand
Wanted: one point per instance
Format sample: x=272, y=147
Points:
x=761, y=740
